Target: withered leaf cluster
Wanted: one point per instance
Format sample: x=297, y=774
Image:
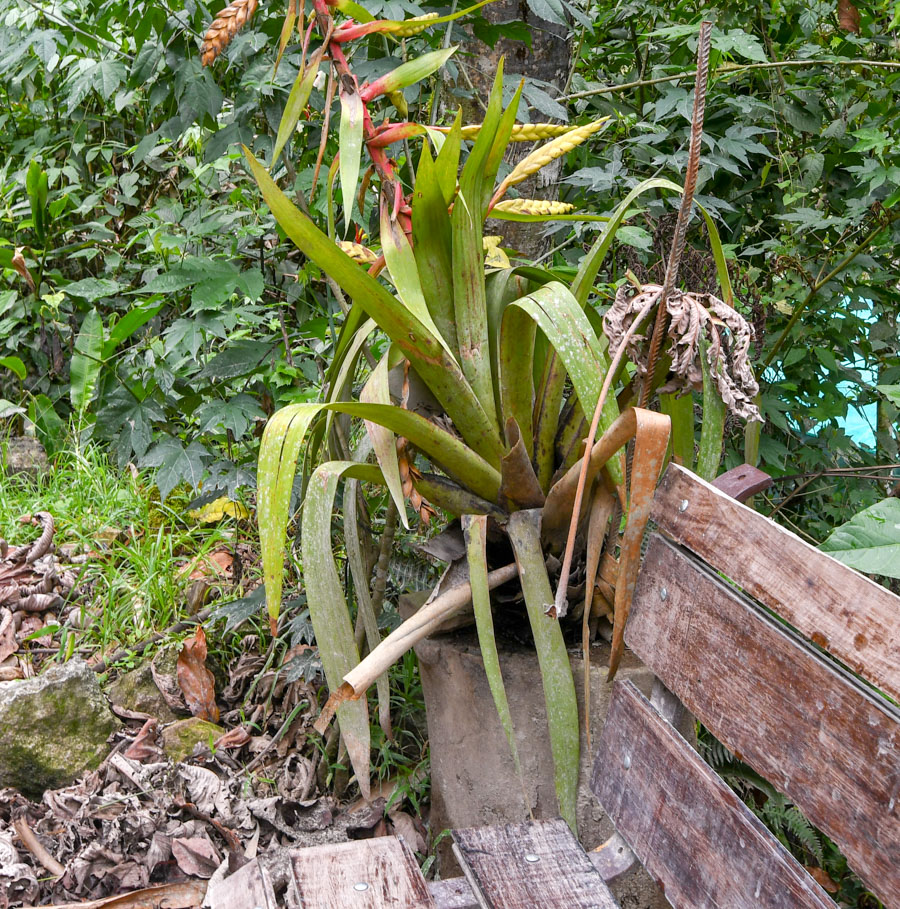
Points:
x=692, y=317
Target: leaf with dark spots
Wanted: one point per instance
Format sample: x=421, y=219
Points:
x=195, y=679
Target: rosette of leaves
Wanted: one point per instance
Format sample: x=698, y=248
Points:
x=487, y=377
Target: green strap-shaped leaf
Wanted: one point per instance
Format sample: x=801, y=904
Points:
x=553, y=659
x=278, y=453
x=498, y=147
x=377, y=391
x=328, y=610
x=590, y=264
x=432, y=247
x=680, y=410
x=446, y=450
x=475, y=530
x=567, y=329
x=86, y=361
x=296, y=104
x=446, y=165
x=360, y=576
x=414, y=70
x=401, y=263
x=428, y=357
x=512, y=351
x=350, y=136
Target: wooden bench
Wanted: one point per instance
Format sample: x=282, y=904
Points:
x=773, y=646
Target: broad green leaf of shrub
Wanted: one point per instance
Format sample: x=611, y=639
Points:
x=86, y=361
x=892, y=393
x=870, y=540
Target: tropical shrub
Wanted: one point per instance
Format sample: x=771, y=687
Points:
x=478, y=402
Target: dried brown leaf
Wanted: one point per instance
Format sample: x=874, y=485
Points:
x=182, y=895
x=8, y=643
x=18, y=263
x=819, y=875
x=144, y=747
x=196, y=856
x=848, y=16
x=195, y=679
x=690, y=317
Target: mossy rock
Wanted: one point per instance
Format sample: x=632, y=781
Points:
x=136, y=690
x=53, y=728
x=180, y=739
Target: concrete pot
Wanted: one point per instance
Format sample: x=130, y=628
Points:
x=473, y=781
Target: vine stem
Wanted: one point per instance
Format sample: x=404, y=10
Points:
x=729, y=70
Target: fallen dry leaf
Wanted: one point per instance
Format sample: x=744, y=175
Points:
x=196, y=856
x=215, y=565
x=195, y=679
x=234, y=738
x=820, y=876
x=144, y=748
x=8, y=644
x=183, y=895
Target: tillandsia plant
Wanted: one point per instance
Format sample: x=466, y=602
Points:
x=478, y=407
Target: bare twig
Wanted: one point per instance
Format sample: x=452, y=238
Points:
x=729, y=70
x=33, y=845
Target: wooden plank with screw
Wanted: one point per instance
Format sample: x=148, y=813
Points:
x=840, y=610
x=534, y=865
x=818, y=734
x=690, y=831
x=362, y=874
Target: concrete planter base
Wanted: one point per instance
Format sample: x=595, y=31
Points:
x=473, y=781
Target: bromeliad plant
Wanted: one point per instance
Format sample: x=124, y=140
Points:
x=478, y=406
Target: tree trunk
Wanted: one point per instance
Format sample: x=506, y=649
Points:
x=548, y=60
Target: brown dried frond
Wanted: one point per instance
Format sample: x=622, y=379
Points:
x=691, y=316
x=224, y=27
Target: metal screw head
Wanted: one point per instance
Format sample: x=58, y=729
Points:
x=626, y=763
x=663, y=594
x=531, y=858
x=684, y=505
x=361, y=886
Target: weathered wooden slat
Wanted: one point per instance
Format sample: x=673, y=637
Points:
x=535, y=865
x=855, y=619
x=363, y=874
x=249, y=887
x=814, y=731
x=690, y=831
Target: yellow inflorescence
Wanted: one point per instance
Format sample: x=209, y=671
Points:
x=413, y=26
x=534, y=207
x=358, y=252
x=524, y=132
x=559, y=146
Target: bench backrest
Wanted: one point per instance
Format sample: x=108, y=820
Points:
x=775, y=697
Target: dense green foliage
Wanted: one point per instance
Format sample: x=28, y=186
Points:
x=149, y=229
